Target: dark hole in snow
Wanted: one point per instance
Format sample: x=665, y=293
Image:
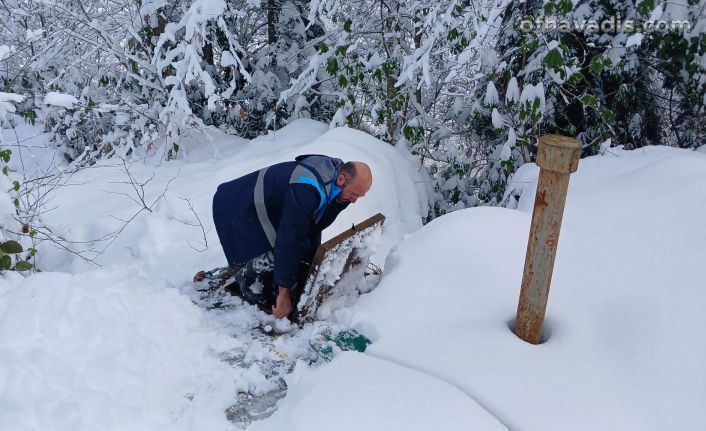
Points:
x=546, y=330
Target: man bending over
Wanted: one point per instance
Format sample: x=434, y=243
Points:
x=270, y=221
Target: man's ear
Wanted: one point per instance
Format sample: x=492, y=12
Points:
x=341, y=180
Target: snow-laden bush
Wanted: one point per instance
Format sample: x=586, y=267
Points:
x=11, y=251
x=143, y=73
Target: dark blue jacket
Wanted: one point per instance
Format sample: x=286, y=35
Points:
x=283, y=207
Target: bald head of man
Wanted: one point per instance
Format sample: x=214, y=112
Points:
x=354, y=179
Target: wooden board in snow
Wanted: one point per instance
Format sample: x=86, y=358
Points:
x=339, y=267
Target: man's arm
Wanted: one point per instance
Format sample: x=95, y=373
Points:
x=283, y=307
x=292, y=241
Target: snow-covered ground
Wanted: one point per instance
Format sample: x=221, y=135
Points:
x=361, y=392
x=122, y=346
x=625, y=313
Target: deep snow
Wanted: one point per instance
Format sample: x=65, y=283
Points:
x=625, y=312
x=108, y=351
x=360, y=392
x=122, y=346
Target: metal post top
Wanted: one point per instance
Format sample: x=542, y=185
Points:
x=558, y=153
x=560, y=141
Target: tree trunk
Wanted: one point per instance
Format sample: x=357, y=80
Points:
x=272, y=17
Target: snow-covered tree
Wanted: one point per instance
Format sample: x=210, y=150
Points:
x=679, y=63
x=145, y=72
x=616, y=82
x=403, y=71
x=465, y=86
x=275, y=59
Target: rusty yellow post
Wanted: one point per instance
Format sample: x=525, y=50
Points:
x=557, y=157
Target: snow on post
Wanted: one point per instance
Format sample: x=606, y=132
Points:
x=557, y=157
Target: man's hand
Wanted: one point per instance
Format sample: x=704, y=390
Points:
x=284, y=303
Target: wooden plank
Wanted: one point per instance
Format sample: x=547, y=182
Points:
x=317, y=289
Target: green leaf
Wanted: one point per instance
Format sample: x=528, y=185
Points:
x=577, y=78
x=5, y=262
x=553, y=59
x=608, y=116
x=323, y=48
x=347, y=25
x=342, y=50
x=176, y=148
x=16, y=202
x=565, y=6
x=332, y=66
x=453, y=34
x=342, y=81
x=23, y=265
x=5, y=170
x=29, y=116
x=509, y=165
x=389, y=67
x=5, y=155
x=11, y=246
x=596, y=66
x=589, y=100
x=624, y=92
x=645, y=6
x=16, y=186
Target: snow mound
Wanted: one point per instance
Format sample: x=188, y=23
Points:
x=625, y=309
x=358, y=392
x=168, y=244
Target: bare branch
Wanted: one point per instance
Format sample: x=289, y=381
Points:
x=203, y=231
